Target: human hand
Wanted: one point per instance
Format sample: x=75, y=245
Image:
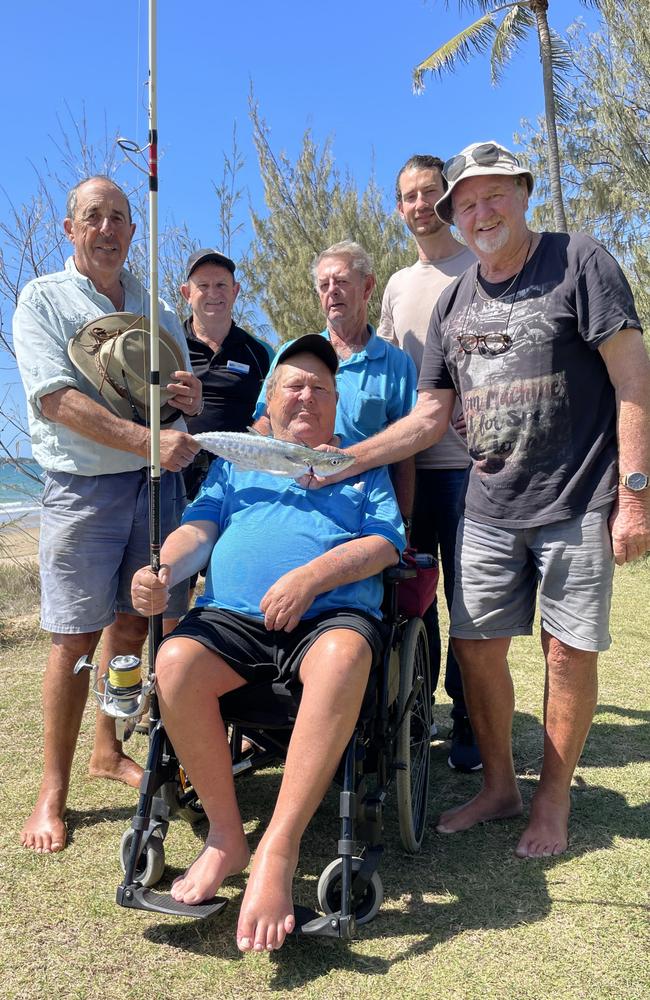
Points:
x=187, y=393
x=287, y=600
x=629, y=524
x=150, y=591
x=177, y=449
x=460, y=426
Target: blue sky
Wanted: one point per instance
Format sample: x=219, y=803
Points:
x=341, y=69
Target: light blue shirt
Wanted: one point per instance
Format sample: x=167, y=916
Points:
x=50, y=310
x=376, y=387
x=269, y=525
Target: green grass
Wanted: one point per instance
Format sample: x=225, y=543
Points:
x=462, y=920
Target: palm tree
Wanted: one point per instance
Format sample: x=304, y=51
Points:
x=502, y=27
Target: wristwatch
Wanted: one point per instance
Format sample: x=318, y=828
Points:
x=636, y=481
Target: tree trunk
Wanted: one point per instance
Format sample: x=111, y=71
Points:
x=539, y=8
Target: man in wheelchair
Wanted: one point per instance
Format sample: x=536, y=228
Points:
x=292, y=594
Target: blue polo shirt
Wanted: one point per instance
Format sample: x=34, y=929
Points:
x=376, y=387
x=269, y=525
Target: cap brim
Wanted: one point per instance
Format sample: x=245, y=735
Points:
x=311, y=343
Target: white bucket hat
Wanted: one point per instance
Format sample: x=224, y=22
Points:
x=112, y=352
x=479, y=159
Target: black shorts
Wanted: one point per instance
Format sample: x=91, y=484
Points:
x=259, y=655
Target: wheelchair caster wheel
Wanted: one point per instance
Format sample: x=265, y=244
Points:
x=151, y=863
x=193, y=812
x=329, y=891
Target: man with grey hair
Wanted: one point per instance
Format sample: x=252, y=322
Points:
x=375, y=380
x=541, y=341
x=94, y=520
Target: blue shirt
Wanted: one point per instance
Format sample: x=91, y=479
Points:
x=376, y=387
x=270, y=525
x=50, y=310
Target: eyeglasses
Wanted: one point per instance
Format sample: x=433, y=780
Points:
x=493, y=343
x=485, y=155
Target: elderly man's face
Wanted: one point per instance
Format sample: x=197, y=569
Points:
x=211, y=292
x=343, y=292
x=302, y=403
x=100, y=231
x=420, y=190
x=490, y=213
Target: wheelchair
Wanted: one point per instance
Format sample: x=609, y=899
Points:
x=389, y=746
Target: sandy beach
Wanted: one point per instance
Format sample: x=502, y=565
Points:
x=17, y=543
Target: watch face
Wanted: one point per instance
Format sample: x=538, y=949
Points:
x=637, y=480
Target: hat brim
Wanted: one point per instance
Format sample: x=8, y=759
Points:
x=444, y=207
x=311, y=343
x=131, y=374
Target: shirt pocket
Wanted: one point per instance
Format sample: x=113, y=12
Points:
x=369, y=412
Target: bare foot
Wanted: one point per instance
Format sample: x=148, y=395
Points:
x=217, y=861
x=45, y=832
x=115, y=767
x=483, y=807
x=547, y=832
x=266, y=915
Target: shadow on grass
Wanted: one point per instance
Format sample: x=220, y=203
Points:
x=472, y=881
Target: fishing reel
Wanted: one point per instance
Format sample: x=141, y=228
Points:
x=124, y=697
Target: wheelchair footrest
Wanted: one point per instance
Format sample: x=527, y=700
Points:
x=137, y=897
x=333, y=925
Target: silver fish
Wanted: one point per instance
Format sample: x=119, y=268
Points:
x=269, y=454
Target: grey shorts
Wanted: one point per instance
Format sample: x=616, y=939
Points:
x=500, y=570
x=94, y=535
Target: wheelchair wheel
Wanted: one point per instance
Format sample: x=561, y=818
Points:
x=329, y=892
x=414, y=737
x=151, y=863
x=192, y=811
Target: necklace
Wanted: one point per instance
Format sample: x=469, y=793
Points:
x=488, y=298
x=505, y=342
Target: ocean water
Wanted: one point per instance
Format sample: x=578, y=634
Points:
x=20, y=491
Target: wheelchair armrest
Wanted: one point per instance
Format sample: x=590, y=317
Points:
x=400, y=572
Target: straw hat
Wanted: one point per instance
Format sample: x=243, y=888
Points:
x=112, y=352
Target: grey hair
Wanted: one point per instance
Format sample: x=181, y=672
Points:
x=71, y=200
x=360, y=259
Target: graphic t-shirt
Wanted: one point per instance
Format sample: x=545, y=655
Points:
x=540, y=408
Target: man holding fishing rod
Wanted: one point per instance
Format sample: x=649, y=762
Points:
x=293, y=594
x=94, y=523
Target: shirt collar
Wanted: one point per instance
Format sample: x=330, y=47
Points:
x=375, y=348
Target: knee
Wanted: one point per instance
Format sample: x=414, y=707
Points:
x=566, y=661
x=129, y=630
x=72, y=647
x=171, y=670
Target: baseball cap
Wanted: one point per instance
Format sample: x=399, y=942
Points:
x=310, y=343
x=203, y=256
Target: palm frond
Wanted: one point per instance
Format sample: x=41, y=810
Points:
x=475, y=38
x=561, y=64
x=511, y=32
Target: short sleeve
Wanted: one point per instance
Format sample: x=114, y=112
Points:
x=604, y=300
x=386, y=328
x=208, y=504
x=382, y=515
x=434, y=373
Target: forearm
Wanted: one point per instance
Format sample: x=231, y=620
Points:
x=187, y=550
x=83, y=415
x=424, y=426
x=352, y=561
